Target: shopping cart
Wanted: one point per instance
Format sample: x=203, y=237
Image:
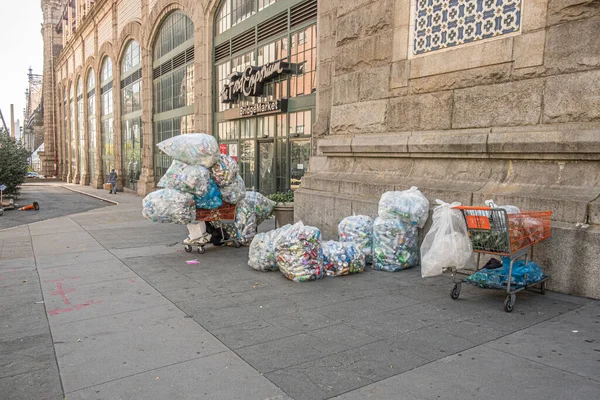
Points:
x=493, y=231
x=222, y=218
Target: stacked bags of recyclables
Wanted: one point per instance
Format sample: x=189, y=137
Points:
x=358, y=229
x=395, y=231
x=251, y=211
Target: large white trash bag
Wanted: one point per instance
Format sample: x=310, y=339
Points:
x=342, y=258
x=250, y=213
x=192, y=148
x=395, y=245
x=224, y=171
x=262, y=255
x=234, y=192
x=408, y=205
x=169, y=205
x=447, y=243
x=358, y=229
x=299, y=256
x=186, y=178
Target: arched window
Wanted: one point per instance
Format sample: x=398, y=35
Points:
x=173, y=83
x=232, y=12
x=107, y=117
x=91, y=123
x=131, y=111
x=80, y=126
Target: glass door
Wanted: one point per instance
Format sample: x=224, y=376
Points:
x=266, y=172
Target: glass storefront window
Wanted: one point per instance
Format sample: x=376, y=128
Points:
x=132, y=151
x=131, y=108
x=304, y=50
x=247, y=162
x=91, y=123
x=301, y=123
x=299, y=156
x=106, y=117
x=233, y=12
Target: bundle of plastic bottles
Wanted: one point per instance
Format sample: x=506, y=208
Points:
x=299, y=256
x=262, y=206
x=234, y=192
x=169, y=205
x=408, y=205
x=342, y=258
x=395, y=245
x=192, y=148
x=251, y=212
x=224, y=171
x=262, y=255
x=212, y=198
x=358, y=229
x=522, y=274
x=186, y=178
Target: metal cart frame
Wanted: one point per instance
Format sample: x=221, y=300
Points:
x=513, y=239
x=225, y=214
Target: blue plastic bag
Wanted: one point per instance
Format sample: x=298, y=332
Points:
x=522, y=275
x=212, y=198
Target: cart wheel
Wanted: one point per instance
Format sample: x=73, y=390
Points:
x=455, y=291
x=509, y=303
x=237, y=244
x=187, y=248
x=1, y=212
x=543, y=288
x=201, y=250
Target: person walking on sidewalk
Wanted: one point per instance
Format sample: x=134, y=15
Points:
x=112, y=179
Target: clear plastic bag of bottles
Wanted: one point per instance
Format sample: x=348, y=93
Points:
x=395, y=245
x=192, y=148
x=186, y=178
x=408, y=205
x=358, y=229
x=262, y=206
x=341, y=258
x=212, y=198
x=234, y=192
x=169, y=205
x=299, y=256
x=224, y=171
x=262, y=254
x=251, y=211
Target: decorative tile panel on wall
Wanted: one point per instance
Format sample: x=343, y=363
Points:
x=440, y=24
x=127, y=11
x=105, y=30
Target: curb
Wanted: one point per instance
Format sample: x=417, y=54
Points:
x=91, y=195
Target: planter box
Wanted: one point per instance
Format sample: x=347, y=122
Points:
x=284, y=214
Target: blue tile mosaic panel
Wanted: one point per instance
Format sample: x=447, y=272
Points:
x=441, y=24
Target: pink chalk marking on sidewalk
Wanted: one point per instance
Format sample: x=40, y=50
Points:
x=132, y=280
x=61, y=292
x=76, y=307
x=62, y=279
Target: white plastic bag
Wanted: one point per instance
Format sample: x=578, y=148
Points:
x=192, y=148
x=408, y=205
x=447, y=243
x=234, y=192
x=186, y=178
x=197, y=230
x=224, y=171
x=169, y=205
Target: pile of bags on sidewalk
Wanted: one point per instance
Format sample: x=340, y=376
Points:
x=201, y=178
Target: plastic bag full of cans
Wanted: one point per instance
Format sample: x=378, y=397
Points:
x=224, y=171
x=211, y=199
x=234, y=192
x=250, y=213
x=342, y=258
x=358, y=229
x=408, y=205
x=262, y=255
x=169, y=205
x=299, y=256
x=192, y=148
x=186, y=178
x=395, y=245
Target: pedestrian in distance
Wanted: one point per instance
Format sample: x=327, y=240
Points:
x=112, y=179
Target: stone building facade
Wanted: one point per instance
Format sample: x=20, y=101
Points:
x=468, y=100
x=132, y=73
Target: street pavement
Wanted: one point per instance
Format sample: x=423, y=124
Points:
x=102, y=305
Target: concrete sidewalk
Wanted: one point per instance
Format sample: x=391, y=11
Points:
x=124, y=317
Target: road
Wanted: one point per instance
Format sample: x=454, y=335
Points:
x=54, y=202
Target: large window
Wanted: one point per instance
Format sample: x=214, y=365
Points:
x=65, y=133
x=73, y=130
x=107, y=118
x=80, y=127
x=233, y=12
x=131, y=110
x=91, y=123
x=173, y=83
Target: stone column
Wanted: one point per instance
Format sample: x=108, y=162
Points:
x=117, y=101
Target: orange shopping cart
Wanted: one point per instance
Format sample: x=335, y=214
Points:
x=221, y=217
x=494, y=231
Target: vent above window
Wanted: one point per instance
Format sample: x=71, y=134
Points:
x=183, y=58
x=222, y=51
x=242, y=41
x=272, y=27
x=303, y=12
x=137, y=75
x=106, y=87
x=91, y=93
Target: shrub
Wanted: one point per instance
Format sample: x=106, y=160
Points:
x=13, y=165
x=282, y=197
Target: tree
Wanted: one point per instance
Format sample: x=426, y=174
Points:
x=13, y=164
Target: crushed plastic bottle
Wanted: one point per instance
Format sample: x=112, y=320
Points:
x=408, y=205
x=169, y=205
x=234, y=192
x=395, y=245
x=224, y=171
x=186, y=178
x=299, y=256
x=192, y=148
x=358, y=229
x=262, y=255
x=212, y=198
x=342, y=258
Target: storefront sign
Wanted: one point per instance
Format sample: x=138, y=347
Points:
x=267, y=107
x=223, y=148
x=251, y=81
